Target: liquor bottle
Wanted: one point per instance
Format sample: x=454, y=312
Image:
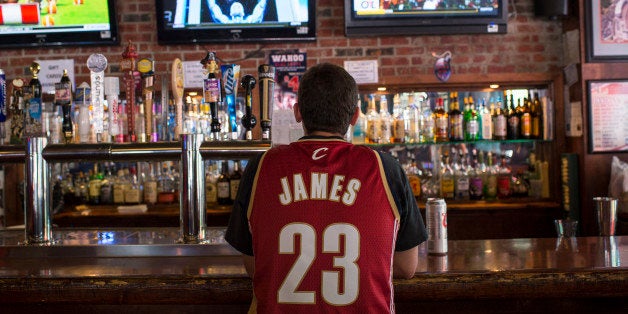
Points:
x=211, y=179
x=537, y=117
x=81, y=188
x=106, y=186
x=461, y=174
x=499, y=122
x=373, y=121
x=471, y=121
x=56, y=125
x=95, y=182
x=490, y=184
x=119, y=187
x=133, y=195
x=223, y=186
x=150, y=186
x=486, y=121
x=456, y=131
x=427, y=122
x=234, y=180
x=504, y=179
x=414, y=176
x=441, y=122
x=398, y=125
x=166, y=186
x=359, y=130
x=385, y=121
x=413, y=119
x=446, y=178
x=526, y=120
x=512, y=120
x=476, y=178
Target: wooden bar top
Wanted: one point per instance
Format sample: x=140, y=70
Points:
x=583, y=273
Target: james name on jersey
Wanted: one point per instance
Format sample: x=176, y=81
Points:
x=321, y=187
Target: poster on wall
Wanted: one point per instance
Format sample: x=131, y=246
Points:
x=607, y=30
x=608, y=113
x=289, y=67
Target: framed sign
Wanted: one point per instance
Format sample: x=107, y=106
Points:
x=608, y=116
x=606, y=30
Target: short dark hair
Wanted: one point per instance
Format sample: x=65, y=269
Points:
x=327, y=98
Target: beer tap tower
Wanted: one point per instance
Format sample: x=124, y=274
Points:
x=249, y=121
x=128, y=65
x=266, y=75
x=212, y=93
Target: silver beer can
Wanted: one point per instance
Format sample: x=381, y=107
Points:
x=436, y=220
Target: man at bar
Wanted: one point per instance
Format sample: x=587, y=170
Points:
x=323, y=224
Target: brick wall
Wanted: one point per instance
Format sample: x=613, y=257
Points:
x=532, y=44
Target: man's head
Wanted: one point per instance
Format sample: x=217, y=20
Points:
x=237, y=12
x=327, y=99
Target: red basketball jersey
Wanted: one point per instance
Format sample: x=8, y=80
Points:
x=324, y=225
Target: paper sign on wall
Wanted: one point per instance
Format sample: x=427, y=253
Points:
x=364, y=71
x=51, y=72
x=193, y=74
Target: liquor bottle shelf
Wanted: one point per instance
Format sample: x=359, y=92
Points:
x=491, y=142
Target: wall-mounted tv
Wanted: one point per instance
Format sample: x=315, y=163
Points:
x=211, y=21
x=58, y=23
x=427, y=17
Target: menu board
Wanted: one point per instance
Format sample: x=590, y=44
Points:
x=608, y=114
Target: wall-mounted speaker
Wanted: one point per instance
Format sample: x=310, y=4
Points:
x=552, y=9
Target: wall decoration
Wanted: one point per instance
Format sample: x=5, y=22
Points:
x=608, y=113
x=606, y=30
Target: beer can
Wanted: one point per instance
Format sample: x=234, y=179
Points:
x=436, y=220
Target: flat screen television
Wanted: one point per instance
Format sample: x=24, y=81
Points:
x=427, y=17
x=58, y=23
x=228, y=21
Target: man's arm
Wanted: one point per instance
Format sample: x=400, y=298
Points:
x=405, y=263
x=216, y=12
x=258, y=13
x=249, y=264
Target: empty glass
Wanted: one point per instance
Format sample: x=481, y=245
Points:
x=566, y=227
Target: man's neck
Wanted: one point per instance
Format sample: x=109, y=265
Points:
x=325, y=134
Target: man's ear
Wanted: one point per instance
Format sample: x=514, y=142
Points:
x=297, y=112
x=356, y=115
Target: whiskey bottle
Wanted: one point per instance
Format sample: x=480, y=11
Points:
x=526, y=120
x=373, y=122
x=537, y=117
x=385, y=121
x=398, y=124
x=512, y=120
x=499, y=122
x=456, y=131
x=427, y=122
x=447, y=181
x=234, y=180
x=441, y=122
x=223, y=186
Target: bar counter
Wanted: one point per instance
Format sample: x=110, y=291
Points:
x=147, y=270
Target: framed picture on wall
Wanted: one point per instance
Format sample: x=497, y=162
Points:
x=608, y=116
x=606, y=30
